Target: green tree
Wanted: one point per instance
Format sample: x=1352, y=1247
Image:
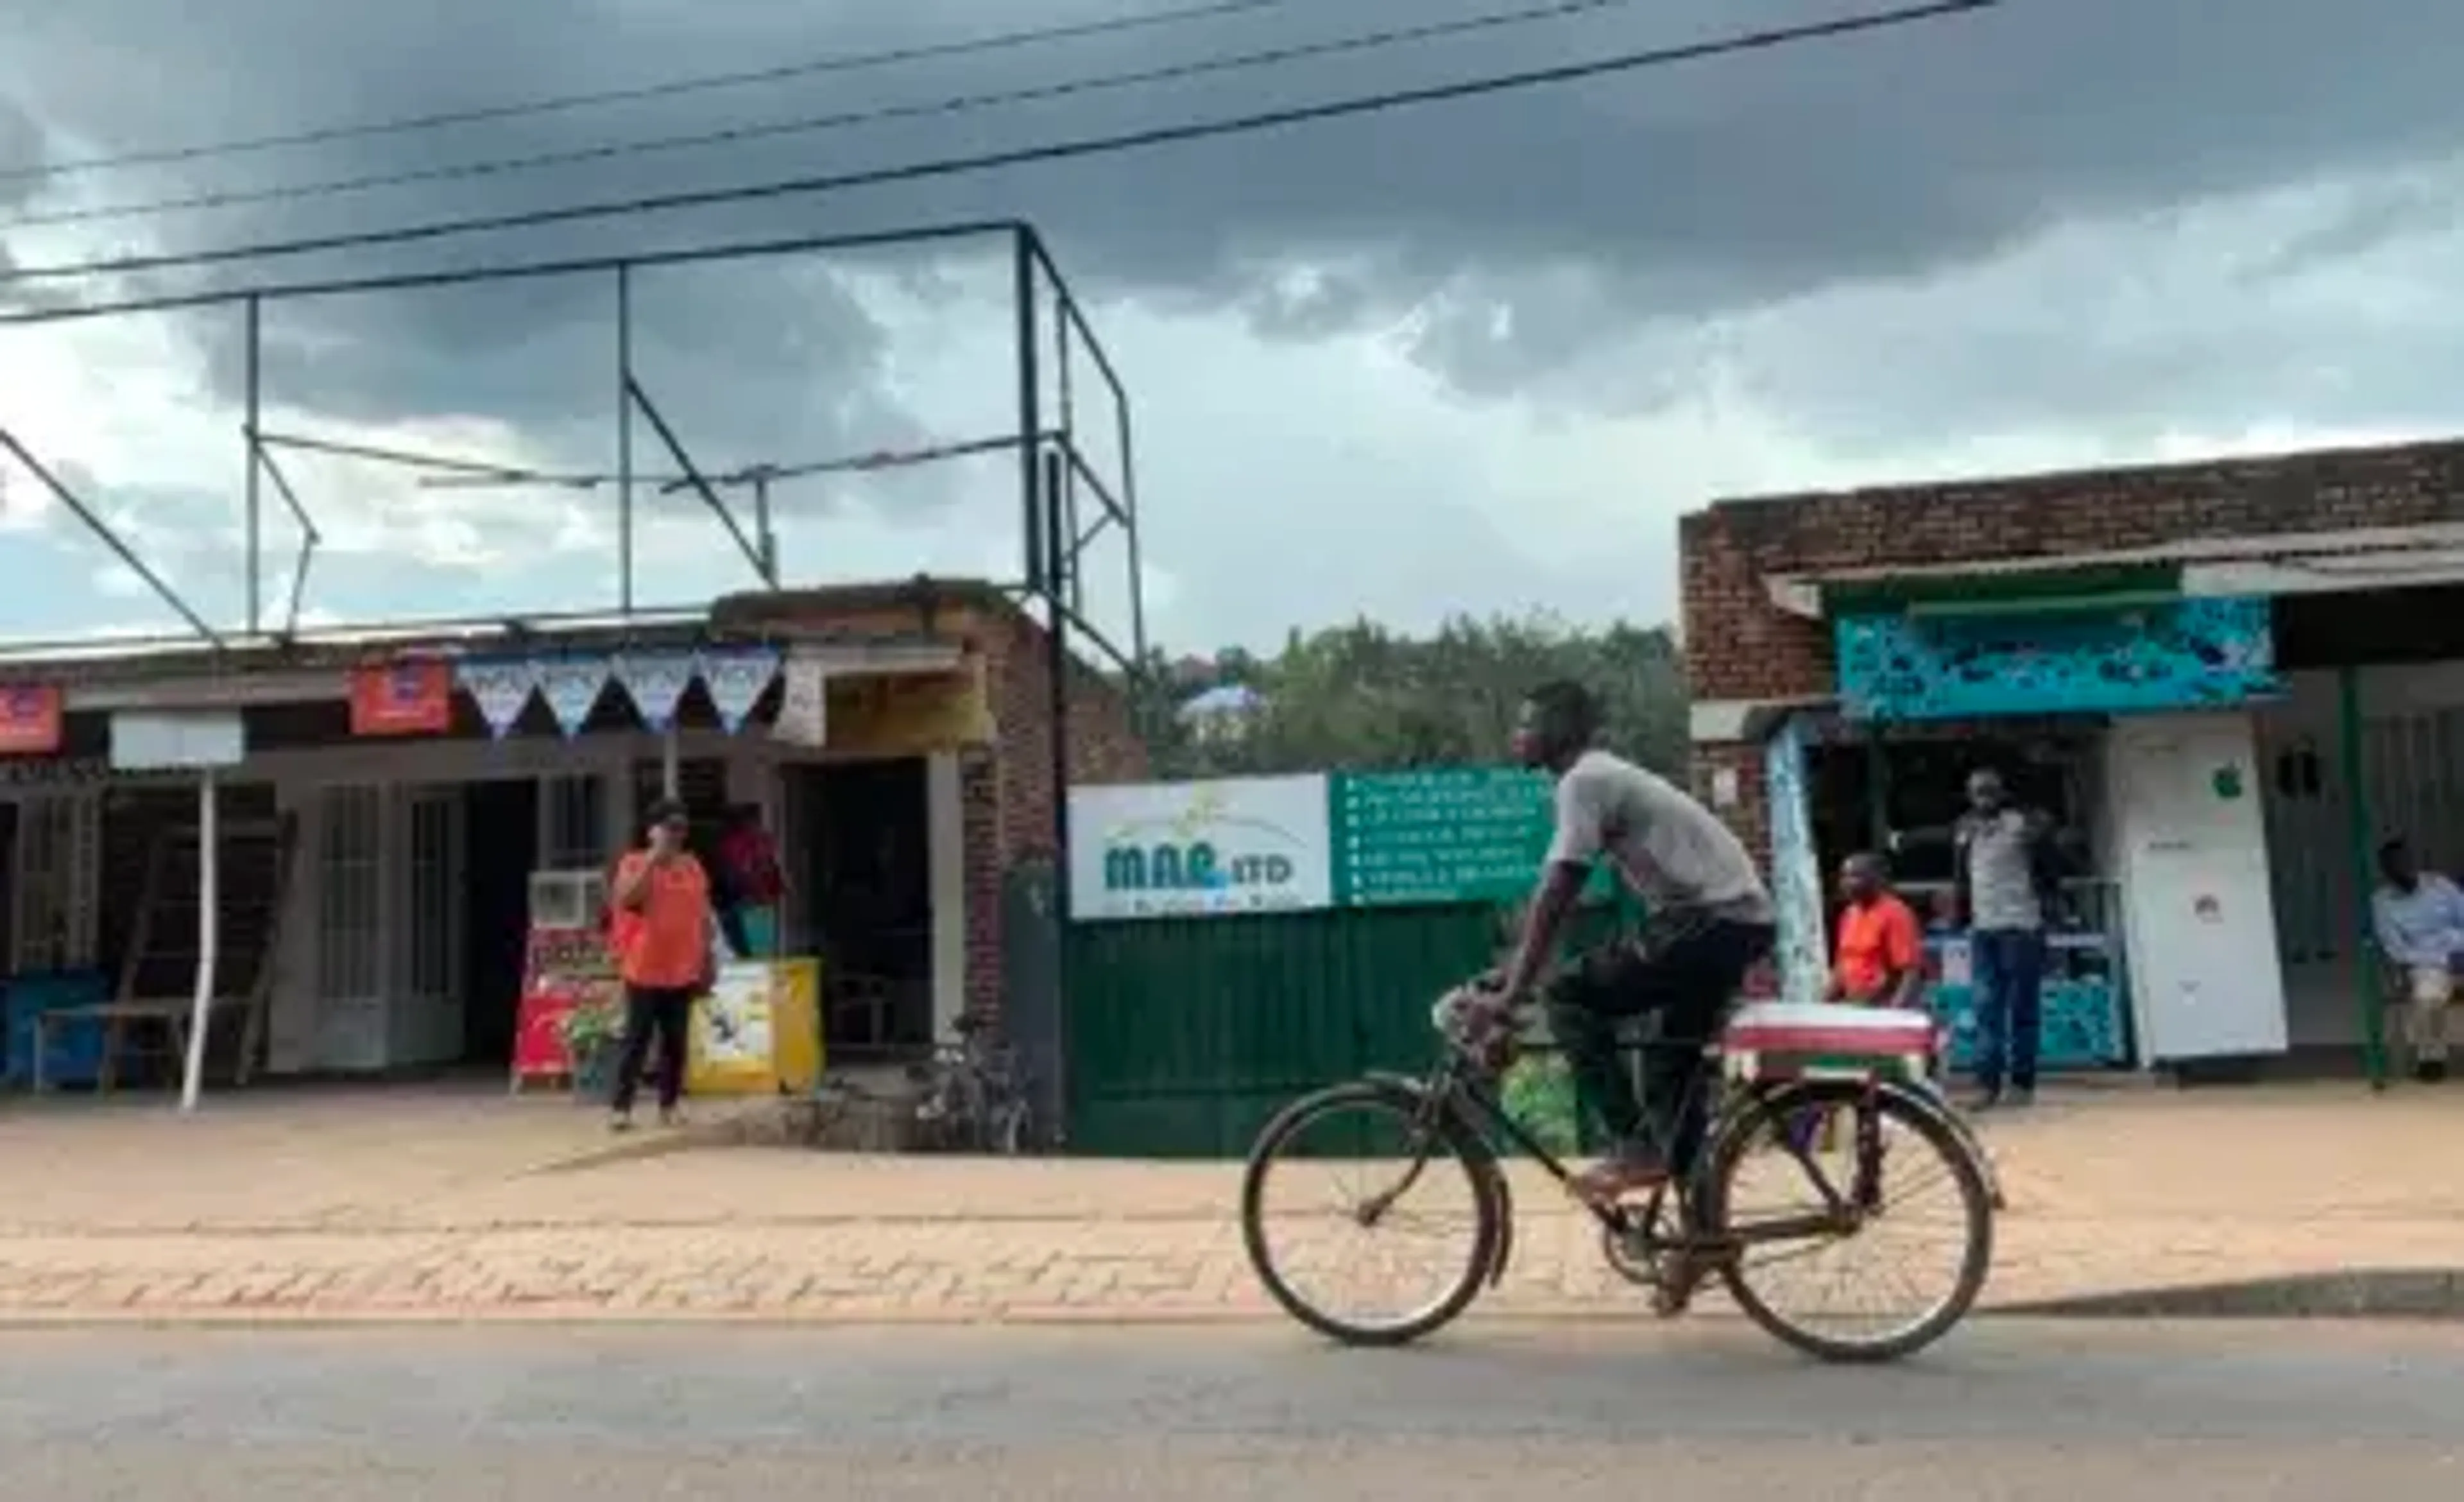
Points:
x=1362, y=696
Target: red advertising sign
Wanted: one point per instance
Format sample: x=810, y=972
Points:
x=29, y=720
x=567, y=968
x=401, y=699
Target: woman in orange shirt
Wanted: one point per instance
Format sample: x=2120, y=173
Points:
x=663, y=932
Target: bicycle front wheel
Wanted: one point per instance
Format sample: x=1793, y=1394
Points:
x=1911, y=1259
x=1368, y=1215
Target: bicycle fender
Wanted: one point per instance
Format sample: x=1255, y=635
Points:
x=1411, y=1085
x=1915, y=1098
x=1502, y=1195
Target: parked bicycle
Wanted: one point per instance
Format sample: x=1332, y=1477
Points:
x=974, y=1095
x=1782, y=1068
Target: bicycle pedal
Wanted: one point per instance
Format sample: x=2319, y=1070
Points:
x=1674, y=1293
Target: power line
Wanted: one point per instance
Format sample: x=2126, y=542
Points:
x=1067, y=150
x=841, y=62
x=814, y=124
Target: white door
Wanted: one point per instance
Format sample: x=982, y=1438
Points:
x=429, y=1013
x=2191, y=840
x=351, y=1031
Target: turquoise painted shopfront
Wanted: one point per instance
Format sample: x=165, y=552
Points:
x=1958, y=666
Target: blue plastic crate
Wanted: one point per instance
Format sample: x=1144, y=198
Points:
x=74, y=1058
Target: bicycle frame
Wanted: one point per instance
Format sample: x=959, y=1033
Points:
x=1453, y=1093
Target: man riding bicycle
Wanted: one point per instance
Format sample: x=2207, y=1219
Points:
x=1708, y=918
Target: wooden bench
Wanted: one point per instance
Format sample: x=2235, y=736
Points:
x=116, y=1018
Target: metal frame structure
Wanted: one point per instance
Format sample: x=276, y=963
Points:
x=1056, y=531
x=1066, y=502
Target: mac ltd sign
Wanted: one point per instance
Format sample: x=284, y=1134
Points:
x=1176, y=849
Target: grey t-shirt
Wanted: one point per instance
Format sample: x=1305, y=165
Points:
x=2001, y=871
x=1673, y=852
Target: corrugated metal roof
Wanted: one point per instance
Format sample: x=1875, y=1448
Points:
x=738, y=617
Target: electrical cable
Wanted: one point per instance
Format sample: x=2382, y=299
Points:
x=1064, y=149
x=841, y=62
x=814, y=124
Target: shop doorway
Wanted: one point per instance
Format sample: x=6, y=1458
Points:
x=1864, y=790
x=863, y=848
x=503, y=835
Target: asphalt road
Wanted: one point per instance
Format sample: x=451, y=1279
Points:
x=2103, y=1412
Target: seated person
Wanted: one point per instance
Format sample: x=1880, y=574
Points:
x=2418, y=918
x=1880, y=949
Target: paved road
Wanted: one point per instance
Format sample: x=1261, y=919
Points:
x=548, y=1414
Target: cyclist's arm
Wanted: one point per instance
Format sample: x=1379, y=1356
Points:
x=1560, y=883
x=1581, y=838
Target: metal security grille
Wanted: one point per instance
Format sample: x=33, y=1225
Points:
x=2415, y=763
x=350, y=889
x=59, y=847
x=435, y=815
x=701, y=783
x=573, y=813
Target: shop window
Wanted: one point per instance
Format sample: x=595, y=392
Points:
x=577, y=823
x=350, y=892
x=54, y=863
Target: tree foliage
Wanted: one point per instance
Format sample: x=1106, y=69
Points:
x=1362, y=696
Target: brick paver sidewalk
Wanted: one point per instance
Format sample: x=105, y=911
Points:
x=286, y=1217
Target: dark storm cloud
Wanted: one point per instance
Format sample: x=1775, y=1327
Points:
x=21, y=147
x=739, y=360
x=1523, y=230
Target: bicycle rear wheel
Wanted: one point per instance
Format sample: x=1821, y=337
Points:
x=1412, y=1172
x=1888, y=1152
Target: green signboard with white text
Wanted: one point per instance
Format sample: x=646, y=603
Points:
x=1445, y=835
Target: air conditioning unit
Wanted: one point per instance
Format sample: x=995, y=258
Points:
x=567, y=899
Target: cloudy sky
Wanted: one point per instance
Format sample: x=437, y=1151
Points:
x=1477, y=357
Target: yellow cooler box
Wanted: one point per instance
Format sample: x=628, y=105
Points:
x=759, y=1031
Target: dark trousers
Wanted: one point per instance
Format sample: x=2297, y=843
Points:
x=1688, y=978
x=2008, y=967
x=665, y=1010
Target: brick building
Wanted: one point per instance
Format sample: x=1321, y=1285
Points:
x=1799, y=609
x=367, y=929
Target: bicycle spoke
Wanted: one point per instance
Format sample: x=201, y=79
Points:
x=1362, y=1222
x=1889, y=1273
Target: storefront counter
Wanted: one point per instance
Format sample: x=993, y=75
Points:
x=2081, y=1023
x=2081, y=1027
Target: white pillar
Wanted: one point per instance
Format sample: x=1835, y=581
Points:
x=208, y=933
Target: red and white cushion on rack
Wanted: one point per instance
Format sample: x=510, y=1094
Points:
x=1795, y=1040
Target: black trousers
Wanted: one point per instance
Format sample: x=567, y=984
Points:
x=667, y=1011
x=1687, y=975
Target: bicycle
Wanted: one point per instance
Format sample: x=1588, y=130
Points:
x=974, y=1098
x=1776, y=1066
